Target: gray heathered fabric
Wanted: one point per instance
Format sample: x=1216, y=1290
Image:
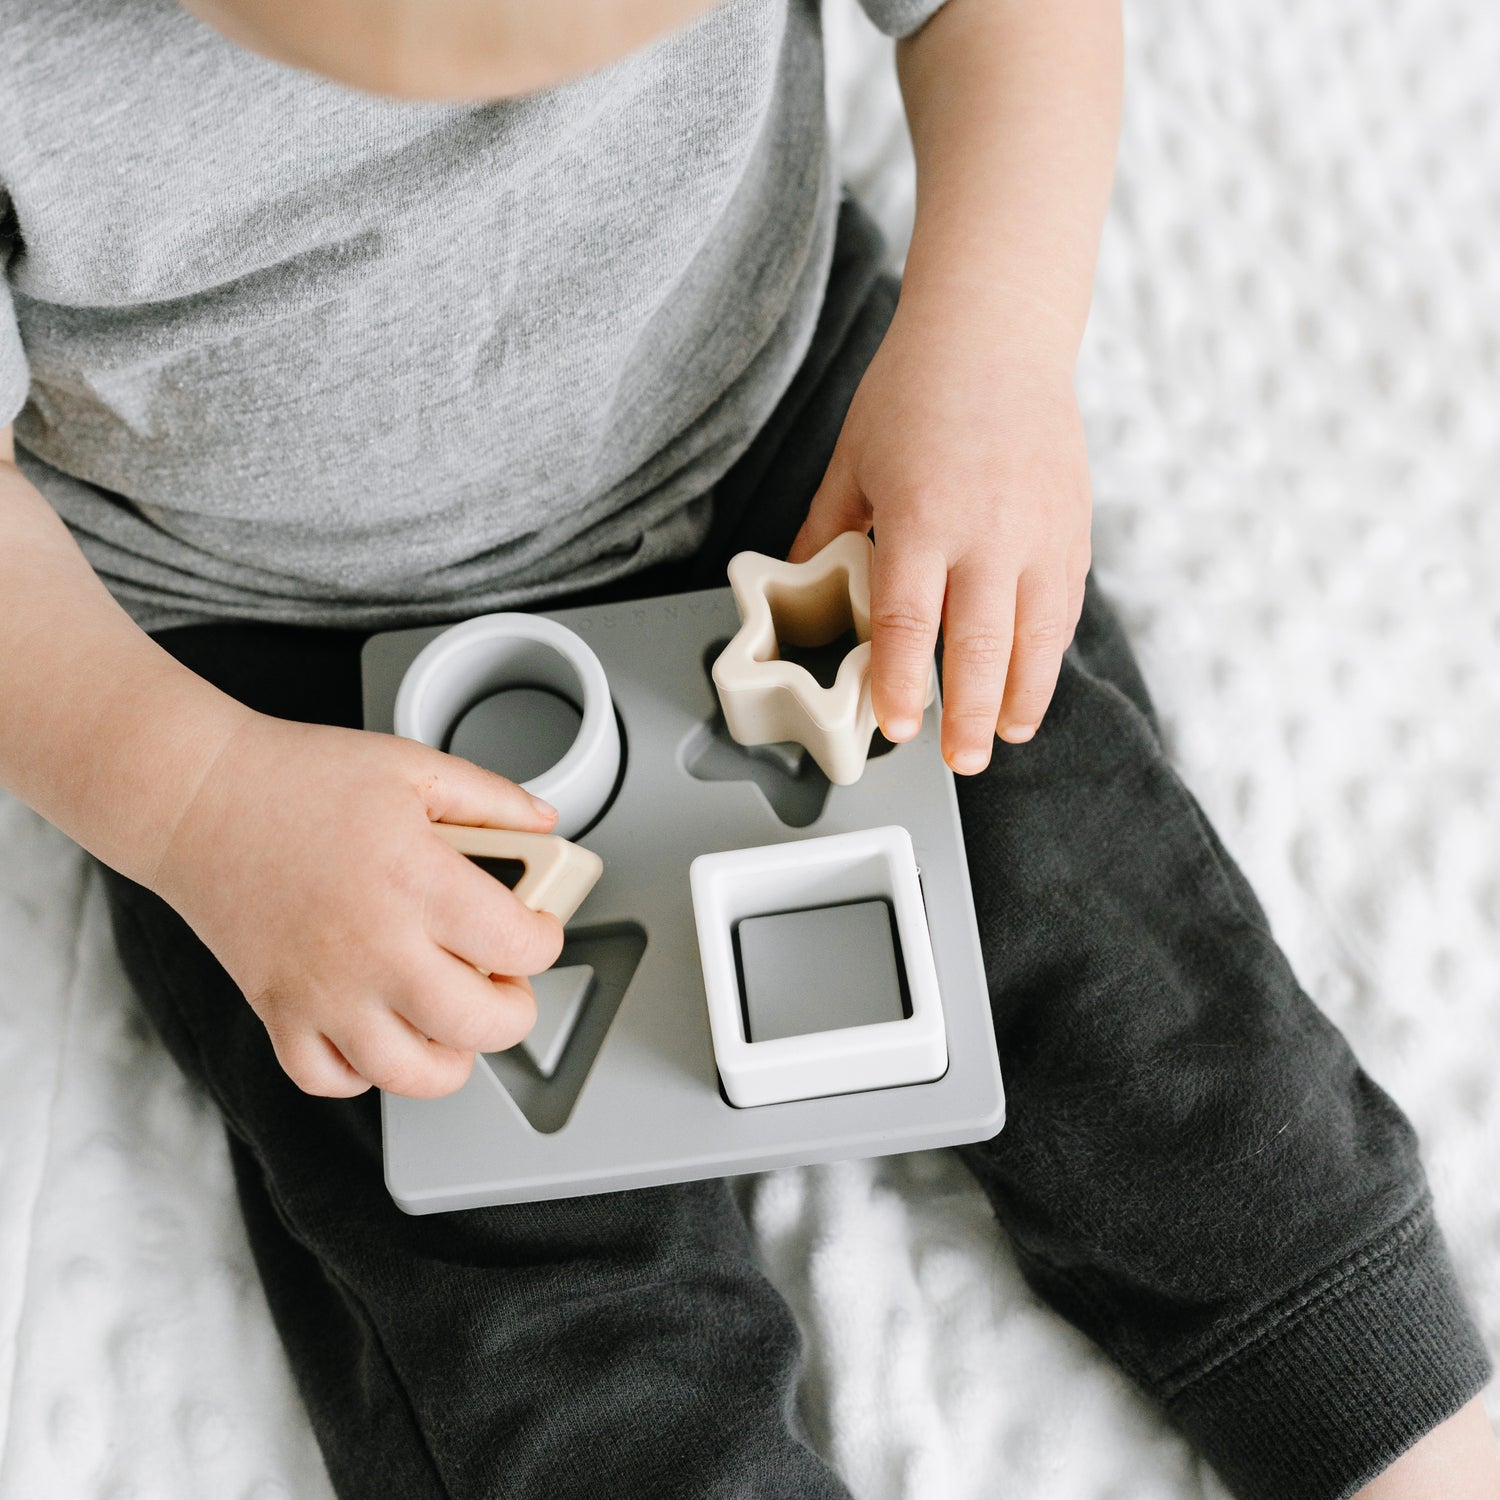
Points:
x=298, y=354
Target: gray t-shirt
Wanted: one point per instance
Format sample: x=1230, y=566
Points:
x=278, y=350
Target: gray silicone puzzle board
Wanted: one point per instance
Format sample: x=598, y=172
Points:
x=635, y=1098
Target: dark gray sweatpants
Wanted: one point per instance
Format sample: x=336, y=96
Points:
x=1195, y=1170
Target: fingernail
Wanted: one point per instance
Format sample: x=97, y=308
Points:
x=967, y=762
x=900, y=729
x=545, y=809
x=1017, y=734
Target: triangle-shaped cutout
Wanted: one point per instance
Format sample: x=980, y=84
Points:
x=611, y=954
x=560, y=997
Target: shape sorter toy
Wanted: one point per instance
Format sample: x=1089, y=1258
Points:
x=772, y=969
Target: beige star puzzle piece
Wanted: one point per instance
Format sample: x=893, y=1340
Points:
x=767, y=700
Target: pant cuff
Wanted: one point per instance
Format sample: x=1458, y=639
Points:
x=1330, y=1386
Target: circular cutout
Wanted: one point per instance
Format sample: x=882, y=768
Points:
x=518, y=732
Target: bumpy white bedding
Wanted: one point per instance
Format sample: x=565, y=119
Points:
x=1291, y=388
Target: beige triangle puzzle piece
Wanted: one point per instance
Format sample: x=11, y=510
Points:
x=767, y=700
x=558, y=874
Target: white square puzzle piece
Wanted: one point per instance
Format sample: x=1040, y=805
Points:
x=869, y=865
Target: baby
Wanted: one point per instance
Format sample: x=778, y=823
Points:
x=327, y=316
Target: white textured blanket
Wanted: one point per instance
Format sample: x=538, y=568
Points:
x=1293, y=403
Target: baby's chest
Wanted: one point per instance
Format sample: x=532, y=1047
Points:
x=164, y=162
x=148, y=159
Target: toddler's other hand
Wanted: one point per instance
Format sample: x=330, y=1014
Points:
x=307, y=862
x=965, y=450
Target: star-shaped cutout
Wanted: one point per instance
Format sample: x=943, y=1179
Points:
x=767, y=700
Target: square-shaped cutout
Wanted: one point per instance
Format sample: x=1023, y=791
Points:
x=824, y=969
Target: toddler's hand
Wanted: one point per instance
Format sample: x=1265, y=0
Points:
x=966, y=451
x=308, y=864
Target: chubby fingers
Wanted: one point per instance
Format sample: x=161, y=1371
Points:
x=480, y=920
x=370, y=1045
x=453, y=987
x=907, y=582
x=1043, y=628
x=838, y=506
x=420, y=1040
x=459, y=1007
x=454, y=790
x=316, y=1065
x=979, y=621
x=398, y=1055
x=1003, y=644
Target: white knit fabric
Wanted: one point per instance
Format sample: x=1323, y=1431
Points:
x=1292, y=397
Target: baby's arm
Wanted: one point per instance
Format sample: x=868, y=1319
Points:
x=302, y=855
x=963, y=444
